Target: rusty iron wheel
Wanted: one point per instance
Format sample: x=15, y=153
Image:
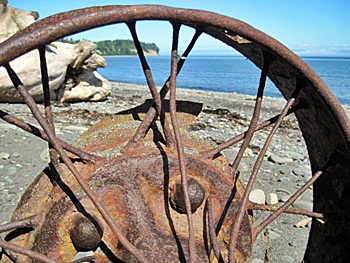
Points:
x=149, y=191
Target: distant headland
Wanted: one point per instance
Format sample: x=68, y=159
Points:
x=119, y=47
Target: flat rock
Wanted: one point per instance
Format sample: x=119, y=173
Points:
x=284, y=180
x=301, y=171
x=303, y=205
x=279, y=159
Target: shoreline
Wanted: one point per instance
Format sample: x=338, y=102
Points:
x=219, y=98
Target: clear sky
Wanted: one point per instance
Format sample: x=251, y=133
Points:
x=308, y=27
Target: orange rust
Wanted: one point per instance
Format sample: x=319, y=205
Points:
x=149, y=173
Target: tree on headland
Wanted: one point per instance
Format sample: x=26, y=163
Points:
x=117, y=47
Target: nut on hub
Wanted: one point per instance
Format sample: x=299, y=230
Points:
x=196, y=193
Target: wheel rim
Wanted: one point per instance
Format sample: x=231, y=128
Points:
x=321, y=118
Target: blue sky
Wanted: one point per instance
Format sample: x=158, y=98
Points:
x=313, y=27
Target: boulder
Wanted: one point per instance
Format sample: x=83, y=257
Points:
x=71, y=68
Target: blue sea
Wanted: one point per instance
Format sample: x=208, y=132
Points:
x=225, y=73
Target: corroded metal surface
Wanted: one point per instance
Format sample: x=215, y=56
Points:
x=136, y=189
x=128, y=178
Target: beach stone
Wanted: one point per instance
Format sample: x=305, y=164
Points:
x=300, y=170
x=284, y=180
x=284, y=170
x=5, y=155
x=271, y=199
x=303, y=205
x=16, y=155
x=277, y=159
x=80, y=255
x=257, y=260
x=257, y=196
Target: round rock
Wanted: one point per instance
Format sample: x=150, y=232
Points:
x=5, y=155
x=257, y=196
x=271, y=199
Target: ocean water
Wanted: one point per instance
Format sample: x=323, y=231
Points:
x=225, y=74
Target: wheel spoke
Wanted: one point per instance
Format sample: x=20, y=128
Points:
x=30, y=222
x=152, y=87
x=179, y=144
x=212, y=232
x=152, y=113
x=274, y=208
x=21, y=250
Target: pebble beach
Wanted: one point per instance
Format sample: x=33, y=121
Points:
x=285, y=168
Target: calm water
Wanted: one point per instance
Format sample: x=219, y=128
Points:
x=225, y=74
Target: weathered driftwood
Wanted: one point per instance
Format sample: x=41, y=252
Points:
x=71, y=68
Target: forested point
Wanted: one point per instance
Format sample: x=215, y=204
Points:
x=117, y=47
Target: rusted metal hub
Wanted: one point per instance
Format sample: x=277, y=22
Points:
x=142, y=192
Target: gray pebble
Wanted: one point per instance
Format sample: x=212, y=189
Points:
x=256, y=260
x=16, y=155
x=303, y=205
x=276, y=159
x=300, y=171
x=279, y=159
x=284, y=170
x=284, y=180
